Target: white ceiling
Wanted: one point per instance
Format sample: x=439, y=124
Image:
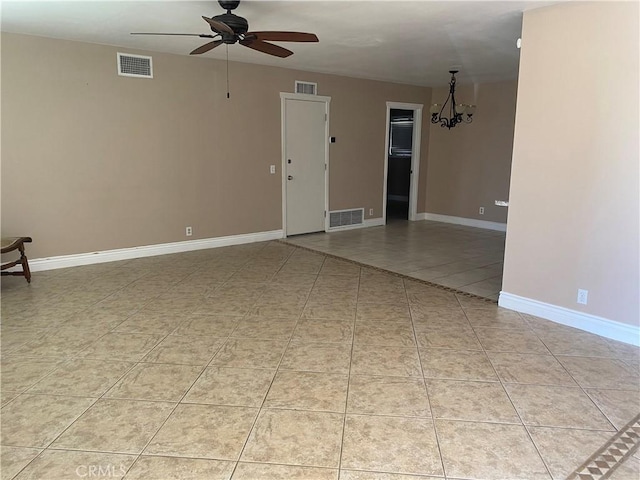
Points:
x=412, y=42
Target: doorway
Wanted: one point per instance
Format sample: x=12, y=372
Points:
x=304, y=163
x=402, y=161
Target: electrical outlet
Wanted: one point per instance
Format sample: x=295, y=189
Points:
x=481, y=210
x=582, y=296
x=272, y=169
x=188, y=231
x=371, y=212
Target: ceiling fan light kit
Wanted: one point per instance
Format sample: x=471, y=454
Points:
x=229, y=28
x=458, y=112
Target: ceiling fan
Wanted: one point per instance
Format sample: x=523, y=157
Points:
x=230, y=28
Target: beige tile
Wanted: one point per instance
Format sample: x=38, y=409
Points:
x=496, y=317
x=151, y=324
x=505, y=340
x=231, y=386
x=120, y=426
x=562, y=340
x=456, y=364
x=216, y=326
x=473, y=401
x=329, y=310
x=82, y=376
x=534, y=369
x=255, y=471
x=265, y=327
x=204, y=431
x=317, y=357
x=383, y=360
x=390, y=444
x=372, y=312
x=564, y=450
x=384, y=333
x=250, y=353
x=172, y=468
x=334, y=266
x=452, y=337
x=295, y=438
x=361, y=475
x=62, y=464
x=185, y=350
x=323, y=331
x=308, y=391
x=122, y=346
x=555, y=406
x=155, y=381
x=594, y=372
x=488, y=451
x=14, y=459
x=620, y=406
x=388, y=396
x=629, y=469
x=6, y=397
x=431, y=316
x=14, y=338
x=36, y=420
x=20, y=373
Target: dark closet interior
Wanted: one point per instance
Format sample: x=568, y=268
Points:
x=399, y=165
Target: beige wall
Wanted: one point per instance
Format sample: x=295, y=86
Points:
x=93, y=161
x=470, y=165
x=574, y=214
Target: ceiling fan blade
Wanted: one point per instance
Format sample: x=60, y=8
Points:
x=265, y=47
x=283, y=36
x=201, y=35
x=206, y=47
x=219, y=27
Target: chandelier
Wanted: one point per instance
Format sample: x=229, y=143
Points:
x=458, y=113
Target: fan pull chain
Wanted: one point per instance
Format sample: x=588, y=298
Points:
x=227, y=48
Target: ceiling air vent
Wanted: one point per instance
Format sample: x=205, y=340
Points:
x=134, y=65
x=306, y=88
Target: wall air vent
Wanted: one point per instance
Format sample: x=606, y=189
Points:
x=346, y=218
x=306, y=88
x=130, y=65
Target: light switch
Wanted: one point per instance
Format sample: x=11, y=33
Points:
x=272, y=169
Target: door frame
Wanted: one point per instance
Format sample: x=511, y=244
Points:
x=415, y=157
x=284, y=96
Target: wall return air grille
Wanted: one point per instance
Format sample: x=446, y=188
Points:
x=130, y=65
x=346, y=218
x=306, y=87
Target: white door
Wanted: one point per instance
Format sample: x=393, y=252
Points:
x=305, y=144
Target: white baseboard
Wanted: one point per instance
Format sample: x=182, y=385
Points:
x=64, y=261
x=371, y=222
x=469, y=222
x=583, y=321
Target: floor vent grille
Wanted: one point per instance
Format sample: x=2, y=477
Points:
x=344, y=218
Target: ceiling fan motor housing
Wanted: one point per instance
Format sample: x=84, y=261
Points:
x=239, y=25
x=229, y=4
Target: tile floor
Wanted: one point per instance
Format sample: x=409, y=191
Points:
x=465, y=258
x=269, y=361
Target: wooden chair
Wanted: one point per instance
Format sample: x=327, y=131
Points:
x=10, y=244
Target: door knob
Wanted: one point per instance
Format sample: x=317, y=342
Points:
x=290, y=177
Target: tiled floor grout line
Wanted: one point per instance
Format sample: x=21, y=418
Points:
x=424, y=380
x=511, y=402
x=346, y=399
x=275, y=372
x=582, y=389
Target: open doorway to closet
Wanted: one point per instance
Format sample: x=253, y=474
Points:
x=402, y=160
